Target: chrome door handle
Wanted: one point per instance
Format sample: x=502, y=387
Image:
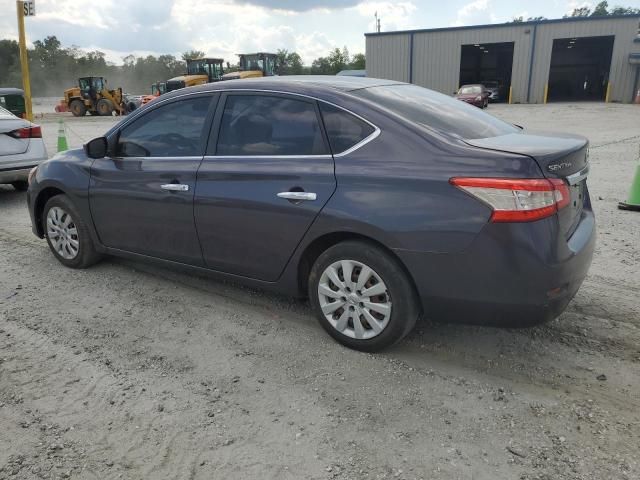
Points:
x=298, y=196
x=175, y=187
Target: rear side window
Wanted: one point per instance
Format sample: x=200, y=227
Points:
x=172, y=130
x=269, y=125
x=344, y=129
x=435, y=110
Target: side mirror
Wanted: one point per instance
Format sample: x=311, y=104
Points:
x=96, y=148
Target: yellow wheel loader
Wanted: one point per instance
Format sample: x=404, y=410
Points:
x=92, y=95
x=199, y=71
x=254, y=65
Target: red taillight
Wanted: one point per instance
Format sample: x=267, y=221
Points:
x=34, y=131
x=517, y=200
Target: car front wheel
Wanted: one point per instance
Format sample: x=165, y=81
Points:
x=67, y=234
x=362, y=296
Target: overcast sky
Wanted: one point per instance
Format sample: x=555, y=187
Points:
x=224, y=28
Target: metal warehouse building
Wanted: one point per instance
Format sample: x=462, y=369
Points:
x=583, y=58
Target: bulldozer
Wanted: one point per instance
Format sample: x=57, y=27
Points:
x=91, y=95
x=253, y=65
x=157, y=89
x=199, y=71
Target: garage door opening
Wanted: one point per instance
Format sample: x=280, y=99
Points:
x=580, y=69
x=489, y=64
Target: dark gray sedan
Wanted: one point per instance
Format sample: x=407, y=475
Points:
x=378, y=199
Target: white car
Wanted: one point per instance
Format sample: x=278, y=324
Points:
x=21, y=149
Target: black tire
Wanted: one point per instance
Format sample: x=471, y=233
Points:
x=77, y=108
x=21, y=186
x=405, y=307
x=104, y=107
x=86, y=254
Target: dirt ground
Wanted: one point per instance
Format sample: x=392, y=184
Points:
x=129, y=371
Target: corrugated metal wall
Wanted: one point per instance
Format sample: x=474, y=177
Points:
x=388, y=57
x=621, y=74
x=436, y=54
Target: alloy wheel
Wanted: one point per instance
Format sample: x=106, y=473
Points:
x=354, y=299
x=62, y=233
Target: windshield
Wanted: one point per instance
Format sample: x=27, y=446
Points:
x=470, y=90
x=196, y=67
x=437, y=111
x=251, y=62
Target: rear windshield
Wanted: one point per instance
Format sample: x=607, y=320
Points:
x=435, y=110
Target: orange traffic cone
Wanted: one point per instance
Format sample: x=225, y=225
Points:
x=637, y=100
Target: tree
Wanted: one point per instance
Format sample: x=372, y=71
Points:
x=289, y=63
x=192, y=54
x=600, y=9
x=625, y=11
x=358, y=61
x=579, y=12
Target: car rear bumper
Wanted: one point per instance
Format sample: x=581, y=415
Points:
x=513, y=275
x=19, y=175
x=15, y=168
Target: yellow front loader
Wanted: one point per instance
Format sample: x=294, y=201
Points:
x=92, y=95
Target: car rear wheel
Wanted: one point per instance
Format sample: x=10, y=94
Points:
x=67, y=234
x=21, y=186
x=362, y=296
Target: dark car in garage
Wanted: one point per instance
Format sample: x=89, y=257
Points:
x=474, y=94
x=377, y=199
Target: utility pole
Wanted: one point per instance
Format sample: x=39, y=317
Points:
x=377, y=22
x=25, y=9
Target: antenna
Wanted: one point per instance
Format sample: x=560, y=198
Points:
x=377, y=22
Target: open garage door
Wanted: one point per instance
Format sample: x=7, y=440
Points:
x=488, y=63
x=580, y=68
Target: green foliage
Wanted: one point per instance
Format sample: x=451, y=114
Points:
x=336, y=61
x=602, y=10
x=54, y=68
x=521, y=19
x=191, y=54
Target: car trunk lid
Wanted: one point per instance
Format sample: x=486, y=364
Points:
x=8, y=144
x=558, y=156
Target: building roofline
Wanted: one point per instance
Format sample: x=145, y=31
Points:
x=500, y=25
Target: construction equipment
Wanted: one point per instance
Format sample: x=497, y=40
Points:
x=253, y=65
x=91, y=95
x=199, y=71
x=158, y=88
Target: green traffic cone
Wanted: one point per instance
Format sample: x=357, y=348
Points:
x=634, y=195
x=62, y=139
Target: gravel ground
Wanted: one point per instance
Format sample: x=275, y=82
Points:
x=132, y=371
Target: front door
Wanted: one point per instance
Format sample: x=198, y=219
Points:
x=267, y=174
x=141, y=197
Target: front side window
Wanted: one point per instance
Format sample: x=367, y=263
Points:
x=343, y=129
x=269, y=125
x=172, y=130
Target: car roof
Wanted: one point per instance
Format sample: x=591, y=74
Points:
x=11, y=91
x=303, y=84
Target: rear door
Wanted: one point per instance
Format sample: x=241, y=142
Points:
x=141, y=197
x=267, y=174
